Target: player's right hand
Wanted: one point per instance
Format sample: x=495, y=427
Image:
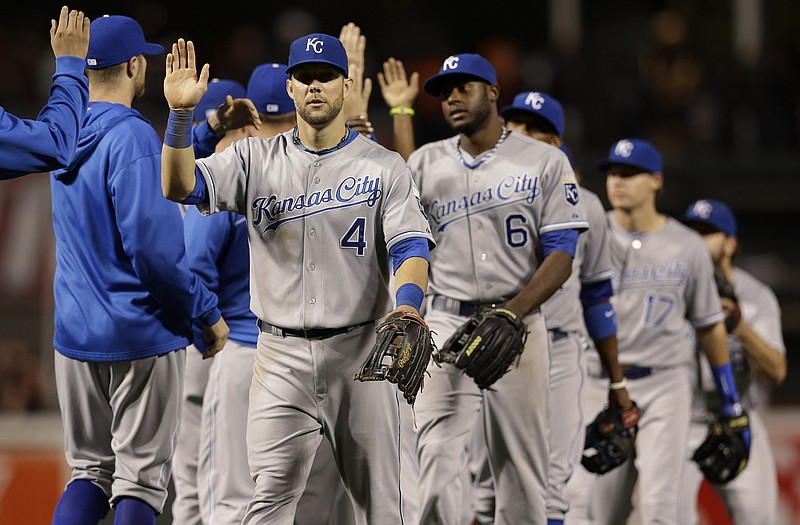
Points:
x=183, y=89
x=70, y=35
x=216, y=336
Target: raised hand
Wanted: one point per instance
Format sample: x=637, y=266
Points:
x=183, y=89
x=354, y=44
x=397, y=88
x=70, y=35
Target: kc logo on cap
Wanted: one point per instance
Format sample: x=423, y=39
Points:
x=450, y=63
x=534, y=100
x=624, y=148
x=314, y=44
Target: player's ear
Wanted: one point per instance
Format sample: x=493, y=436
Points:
x=133, y=66
x=348, y=86
x=493, y=93
x=290, y=88
x=731, y=246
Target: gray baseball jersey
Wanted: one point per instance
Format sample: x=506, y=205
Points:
x=319, y=227
x=661, y=279
x=592, y=263
x=487, y=221
x=751, y=497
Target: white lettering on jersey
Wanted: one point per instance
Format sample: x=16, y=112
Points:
x=511, y=189
x=314, y=44
x=351, y=191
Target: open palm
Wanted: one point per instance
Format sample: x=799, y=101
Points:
x=182, y=87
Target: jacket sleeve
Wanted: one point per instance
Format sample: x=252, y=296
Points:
x=49, y=142
x=151, y=228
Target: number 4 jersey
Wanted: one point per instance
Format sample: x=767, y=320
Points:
x=319, y=226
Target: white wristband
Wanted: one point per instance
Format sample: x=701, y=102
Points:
x=619, y=386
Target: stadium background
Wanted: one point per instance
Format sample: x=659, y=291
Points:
x=715, y=85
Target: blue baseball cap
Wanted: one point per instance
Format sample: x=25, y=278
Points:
x=713, y=213
x=318, y=48
x=114, y=39
x=218, y=89
x=633, y=152
x=539, y=104
x=465, y=64
x=267, y=89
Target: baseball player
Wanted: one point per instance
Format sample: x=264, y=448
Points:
x=48, y=143
x=216, y=247
x=581, y=305
x=124, y=296
x=186, y=506
x=663, y=276
x=506, y=214
x=757, y=349
x=329, y=215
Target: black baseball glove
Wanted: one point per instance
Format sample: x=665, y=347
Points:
x=724, y=453
x=610, y=439
x=725, y=289
x=487, y=345
x=401, y=354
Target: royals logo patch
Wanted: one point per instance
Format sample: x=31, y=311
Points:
x=571, y=193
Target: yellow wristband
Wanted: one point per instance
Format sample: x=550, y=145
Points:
x=402, y=110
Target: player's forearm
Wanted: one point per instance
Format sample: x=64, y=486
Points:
x=765, y=359
x=714, y=343
x=549, y=277
x=607, y=350
x=177, y=172
x=413, y=270
x=403, y=127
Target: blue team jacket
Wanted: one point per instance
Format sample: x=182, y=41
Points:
x=123, y=289
x=216, y=247
x=48, y=143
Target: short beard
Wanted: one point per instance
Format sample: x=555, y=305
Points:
x=316, y=119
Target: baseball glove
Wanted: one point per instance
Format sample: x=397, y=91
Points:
x=487, y=345
x=401, y=354
x=724, y=453
x=725, y=289
x=610, y=439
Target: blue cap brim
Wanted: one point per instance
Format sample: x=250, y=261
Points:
x=152, y=49
x=603, y=165
x=433, y=85
x=316, y=61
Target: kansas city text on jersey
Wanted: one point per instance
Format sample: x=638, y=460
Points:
x=510, y=189
x=351, y=191
x=666, y=273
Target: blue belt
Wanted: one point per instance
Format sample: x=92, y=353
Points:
x=456, y=307
x=633, y=372
x=310, y=333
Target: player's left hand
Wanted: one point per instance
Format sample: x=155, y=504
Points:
x=361, y=124
x=69, y=36
x=183, y=89
x=216, y=336
x=234, y=113
x=401, y=353
x=726, y=449
x=398, y=89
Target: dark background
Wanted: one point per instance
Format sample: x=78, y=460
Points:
x=727, y=121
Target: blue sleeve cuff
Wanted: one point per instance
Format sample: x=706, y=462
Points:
x=70, y=65
x=204, y=140
x=199, y=194
x=407, y=248
x=598, y=292
x=601, y=321
x=726, y=387
x=210, y=317
x=559, y=240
